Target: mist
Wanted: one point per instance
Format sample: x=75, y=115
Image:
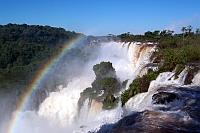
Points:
x=58, y=111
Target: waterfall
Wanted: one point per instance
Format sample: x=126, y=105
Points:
x=96, y=107
x=60, y=107
x=143, y=101
x=195, y=80
x=83, y=114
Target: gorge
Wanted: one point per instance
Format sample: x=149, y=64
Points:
x=168, y=105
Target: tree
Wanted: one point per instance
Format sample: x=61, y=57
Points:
x=170, y=32
x=183, y=30
x=163, y=33
x=198, y=31
x=189, y=28
x=156, y=32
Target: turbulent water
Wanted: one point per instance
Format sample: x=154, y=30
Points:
x=142, y=113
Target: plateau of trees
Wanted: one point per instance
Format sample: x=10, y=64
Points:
x=173, y=52
x=26, y=48
x=157, y=35
x=172, y=49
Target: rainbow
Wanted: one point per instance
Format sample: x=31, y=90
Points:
x=41, y=75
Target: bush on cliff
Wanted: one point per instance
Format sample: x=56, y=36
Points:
x=172, y=57
x=110, y=102
x=140, y=84
x=103, y=87
x=111, y=85
x=104, y=69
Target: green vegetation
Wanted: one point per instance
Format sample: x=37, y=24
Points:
x=26, y=48
x=124, y=83
x=103, y=87
x=148, y=36
x=133, y=90
x=173, y=52
x=104, y=69
x=111, y=85
x=179, y=69
x=180, y=55
x=140, y=84
x=110, y=104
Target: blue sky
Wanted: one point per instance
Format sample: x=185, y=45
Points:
x=102, y=17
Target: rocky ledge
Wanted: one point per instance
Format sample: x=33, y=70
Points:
x=174, y=110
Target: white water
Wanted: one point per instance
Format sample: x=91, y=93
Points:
x=62, y=106
x=143, y=101
x=196, y=80
x=96, y=107
x=58, y=113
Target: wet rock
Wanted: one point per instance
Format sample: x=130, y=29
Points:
x=111, y=98
x=191, y=73
x=144, y=85
x=164, y=97
x=105, y=85
x=181, y=116
x=104, y=69
x=154, y=122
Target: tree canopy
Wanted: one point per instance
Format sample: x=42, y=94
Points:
x=24, y=48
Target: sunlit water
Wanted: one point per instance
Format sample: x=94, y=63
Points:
x=59, y=111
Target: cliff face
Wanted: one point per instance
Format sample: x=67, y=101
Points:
x=104, y=87
x=174, y=109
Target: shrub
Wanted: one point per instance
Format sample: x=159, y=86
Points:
x=124, y=83
x=133, y=90
x=179, y=69
x=172, y=57
x=111, y=85
x=108, y=104
x=140, y=84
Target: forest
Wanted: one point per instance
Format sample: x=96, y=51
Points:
x=173, y=52
x=26, y=48
x=172, y=49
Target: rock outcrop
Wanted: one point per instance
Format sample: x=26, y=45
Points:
x=174, y=110
x=105, y=85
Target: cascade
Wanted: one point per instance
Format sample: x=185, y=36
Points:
x=168, y=104
x=143, y=101
x=96, y=107
x=140, y=55
x=61, y=106
x=83, y=114
x=195, y=80
x=59, y=111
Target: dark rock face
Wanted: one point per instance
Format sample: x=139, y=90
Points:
x=164, y=97
x=154, y=122
x=111, y=98
x=174, y=110
x=103, y=87
x=191, y=73
x=104, y=69
x=144, y=85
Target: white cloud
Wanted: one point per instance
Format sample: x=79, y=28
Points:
x=177, y=26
